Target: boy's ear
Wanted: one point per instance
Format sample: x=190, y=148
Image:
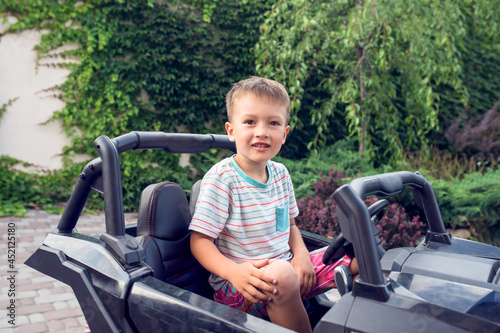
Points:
x=287, y=129
x=230, y=131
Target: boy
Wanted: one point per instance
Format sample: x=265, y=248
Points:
x=243, y=229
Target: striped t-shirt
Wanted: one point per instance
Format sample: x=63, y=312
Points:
x=249, y=220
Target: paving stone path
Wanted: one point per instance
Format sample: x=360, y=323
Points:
x=42, y=304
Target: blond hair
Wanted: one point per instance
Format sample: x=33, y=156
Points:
x=260, y=87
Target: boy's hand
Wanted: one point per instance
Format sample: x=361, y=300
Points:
x=305, y=272
x=252, y=282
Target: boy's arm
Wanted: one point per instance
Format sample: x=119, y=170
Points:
x=301, y=261
x=246, y=277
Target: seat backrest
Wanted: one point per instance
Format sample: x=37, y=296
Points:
x=163, y=221
x=195, y=193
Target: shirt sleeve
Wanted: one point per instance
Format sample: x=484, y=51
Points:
x=212, y=207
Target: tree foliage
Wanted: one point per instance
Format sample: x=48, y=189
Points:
x=479, y=56
x=380, y=61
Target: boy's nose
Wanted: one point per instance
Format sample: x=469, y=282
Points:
x=261, y=130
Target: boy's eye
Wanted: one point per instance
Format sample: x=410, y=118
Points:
x=249, y=122
x=274, y=123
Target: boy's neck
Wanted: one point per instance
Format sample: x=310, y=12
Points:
x=260, y=176
x=256, y=171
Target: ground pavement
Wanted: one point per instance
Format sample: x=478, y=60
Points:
x=42, y=304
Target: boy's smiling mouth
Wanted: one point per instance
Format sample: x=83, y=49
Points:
x=261, y=145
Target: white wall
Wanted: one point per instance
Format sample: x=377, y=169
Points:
x=22, y=134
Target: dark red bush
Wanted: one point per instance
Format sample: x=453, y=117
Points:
x=396, y=229
x=476, y=136
x=318, y=214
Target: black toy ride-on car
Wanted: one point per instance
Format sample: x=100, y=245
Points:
x=444, y=284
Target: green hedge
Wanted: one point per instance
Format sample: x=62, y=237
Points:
x=472, y=203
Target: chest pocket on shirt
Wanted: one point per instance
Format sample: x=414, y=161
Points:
x=282, y=218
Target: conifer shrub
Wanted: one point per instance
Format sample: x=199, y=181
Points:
x=443, y=164
x=472, y=203
x=318, y=215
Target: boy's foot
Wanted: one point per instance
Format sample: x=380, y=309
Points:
x=343, y=279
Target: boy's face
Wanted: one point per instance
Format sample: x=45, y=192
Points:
x=259, y=128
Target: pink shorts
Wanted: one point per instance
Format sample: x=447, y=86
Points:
x=325, y=279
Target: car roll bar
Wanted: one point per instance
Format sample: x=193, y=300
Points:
x=356, y=226
x=106, y=169
x=392, y=183
x=172, y=142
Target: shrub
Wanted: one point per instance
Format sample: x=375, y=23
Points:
x=443, y=164
x=477, y=136
x=472, y=203
x=318, y=215
x=318, y=212
x=21, y=189
x=396, y=228
x=343, y=154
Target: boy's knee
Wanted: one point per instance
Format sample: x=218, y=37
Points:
x=288, y=282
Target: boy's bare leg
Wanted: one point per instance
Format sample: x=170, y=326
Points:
x=286, y=308
x=353, y=267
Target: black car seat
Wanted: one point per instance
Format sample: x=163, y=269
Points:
x=163, y=221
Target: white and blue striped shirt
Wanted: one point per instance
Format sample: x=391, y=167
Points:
x=249, y=220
